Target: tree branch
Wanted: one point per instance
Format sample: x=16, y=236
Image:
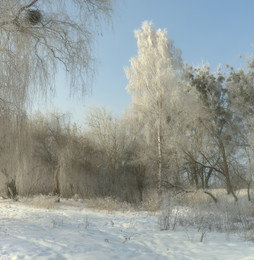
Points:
x=18, y=13
x=171, y=185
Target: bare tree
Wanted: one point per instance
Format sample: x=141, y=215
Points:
x=108, y=132
x=39, y=37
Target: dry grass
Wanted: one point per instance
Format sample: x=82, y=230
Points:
x=109, y=204
x=41, y=201
x=199, y=211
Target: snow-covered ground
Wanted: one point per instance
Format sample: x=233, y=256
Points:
x=71, y=231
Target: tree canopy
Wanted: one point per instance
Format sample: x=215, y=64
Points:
x=39, y=37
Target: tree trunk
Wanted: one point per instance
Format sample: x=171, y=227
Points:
x=159, y=161
x=195, y=176
x=202, y=177
x=207, y=178
x=248, y=190
x=56, y=190
x=226, y=172
x=140, y=177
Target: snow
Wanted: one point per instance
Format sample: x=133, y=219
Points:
x=72, y=231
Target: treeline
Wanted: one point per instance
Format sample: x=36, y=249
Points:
x=186, y=129
x=48, y=155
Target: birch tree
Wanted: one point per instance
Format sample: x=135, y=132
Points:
x=38, y=37
x=153, y=77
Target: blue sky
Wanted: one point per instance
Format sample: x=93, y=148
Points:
x=214, y=31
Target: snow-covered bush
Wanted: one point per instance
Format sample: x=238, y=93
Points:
x=198, y=211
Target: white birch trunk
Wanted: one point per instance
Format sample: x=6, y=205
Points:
x=159, y=160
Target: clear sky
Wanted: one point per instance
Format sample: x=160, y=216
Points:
x=214, y=31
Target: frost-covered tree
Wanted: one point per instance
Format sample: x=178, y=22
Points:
x=219, y=124
x=153, y=80
x=112, y=137
x=109, y=136
x=38, y=37
x=241, y=97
